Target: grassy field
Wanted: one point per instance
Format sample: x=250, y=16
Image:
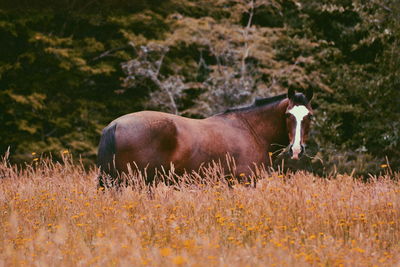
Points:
x=52, y=215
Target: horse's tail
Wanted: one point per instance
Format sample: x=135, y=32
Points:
x=106, y=157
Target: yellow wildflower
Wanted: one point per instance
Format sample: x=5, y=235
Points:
x=165, y=252
x=179, y=260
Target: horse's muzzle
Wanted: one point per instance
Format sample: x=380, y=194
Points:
x=296, y=155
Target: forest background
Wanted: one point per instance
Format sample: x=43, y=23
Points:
x=69, y=67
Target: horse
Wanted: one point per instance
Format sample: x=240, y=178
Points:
x=152, y=140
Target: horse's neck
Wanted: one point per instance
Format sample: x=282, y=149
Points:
x=267, y=123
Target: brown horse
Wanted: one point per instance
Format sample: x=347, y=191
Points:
x=149, y=139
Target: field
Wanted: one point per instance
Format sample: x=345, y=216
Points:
x=53, y=215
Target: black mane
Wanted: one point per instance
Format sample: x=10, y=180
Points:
x=259, y=102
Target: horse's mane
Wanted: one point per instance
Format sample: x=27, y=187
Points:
x=258, y=103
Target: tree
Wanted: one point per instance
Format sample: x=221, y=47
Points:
x=228, y=59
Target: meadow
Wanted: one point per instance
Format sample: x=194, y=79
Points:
x=53, y=215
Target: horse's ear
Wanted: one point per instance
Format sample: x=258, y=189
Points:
x=309, y=93
x=290, y=93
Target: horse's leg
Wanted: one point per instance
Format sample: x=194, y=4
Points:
x=245, y=176
x=230, y=180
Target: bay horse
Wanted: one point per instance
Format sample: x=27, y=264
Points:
x=150, y=139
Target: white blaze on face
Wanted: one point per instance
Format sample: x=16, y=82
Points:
x=299, y=112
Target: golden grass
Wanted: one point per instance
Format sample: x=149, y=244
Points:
x=52, y=215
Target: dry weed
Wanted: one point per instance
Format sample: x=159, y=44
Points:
x=53, y=215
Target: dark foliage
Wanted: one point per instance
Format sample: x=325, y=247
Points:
x=67, y=68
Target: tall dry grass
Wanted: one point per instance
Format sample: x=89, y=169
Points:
x=53, y=215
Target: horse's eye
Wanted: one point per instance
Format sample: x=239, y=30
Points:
x=310, y=116
x=287, y=115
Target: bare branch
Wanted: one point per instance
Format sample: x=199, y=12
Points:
x=109, y=52
x=246, y=48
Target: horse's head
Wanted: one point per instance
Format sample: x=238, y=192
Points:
x=298, y=120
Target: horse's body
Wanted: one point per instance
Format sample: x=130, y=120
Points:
x=149, y=139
